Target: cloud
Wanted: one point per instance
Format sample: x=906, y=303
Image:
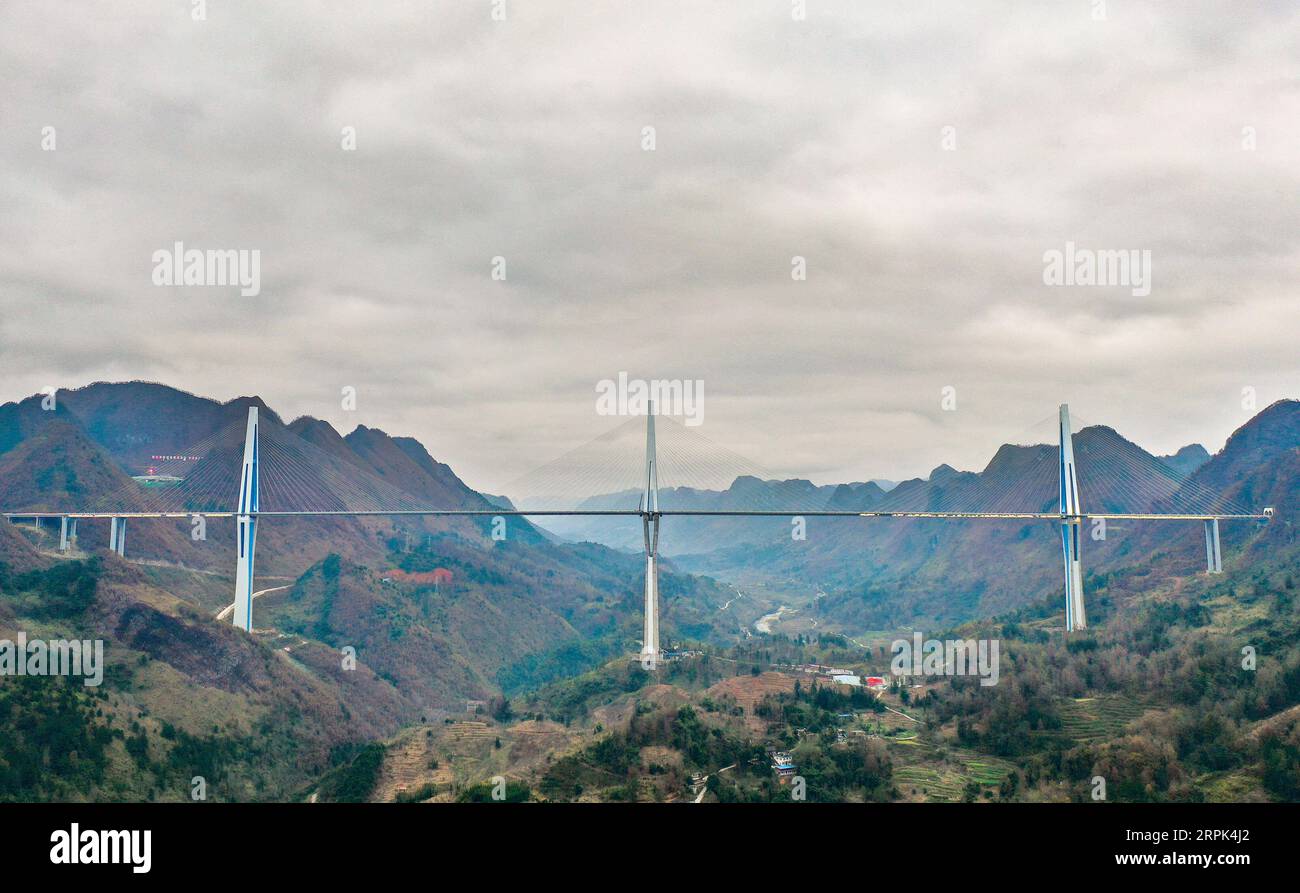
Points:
x=774, y=138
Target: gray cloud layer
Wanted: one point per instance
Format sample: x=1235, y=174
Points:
x=775, y=138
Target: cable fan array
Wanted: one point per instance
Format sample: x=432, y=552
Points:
x=608, y=474
x=295, y=475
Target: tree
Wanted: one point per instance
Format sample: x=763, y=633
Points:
x=501, y=710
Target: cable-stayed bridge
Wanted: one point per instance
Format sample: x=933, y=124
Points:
x=647, y=470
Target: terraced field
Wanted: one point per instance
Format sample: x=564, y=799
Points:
x=1098, y=719
x=986, y=770
x=929, y=783
x=467, y=738
x=946, y=780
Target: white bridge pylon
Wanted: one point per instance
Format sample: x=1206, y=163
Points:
x=650, y=528
x=1071, y=524
x=246, y=527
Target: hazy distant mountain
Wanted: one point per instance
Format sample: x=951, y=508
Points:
x=857, y=497
x=898, y=571
x=1187, y=459
x=681, y=536
x=1017, y=479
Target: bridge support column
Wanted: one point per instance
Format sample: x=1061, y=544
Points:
x=1213, y=558
x=1075, y=616
x=650, y=528
x=1071, y=525
x=72, y=531
x=63, y=534
x=117, y=536
x=650, y=636
x=246, y=527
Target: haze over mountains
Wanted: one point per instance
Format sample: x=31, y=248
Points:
x=880, y=573
x=1018, y=478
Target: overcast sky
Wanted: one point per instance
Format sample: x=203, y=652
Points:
x=1171, y=127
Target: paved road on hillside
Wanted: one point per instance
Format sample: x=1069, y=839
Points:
x=229, y=609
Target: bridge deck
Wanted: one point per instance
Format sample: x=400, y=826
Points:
x=633, y=513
